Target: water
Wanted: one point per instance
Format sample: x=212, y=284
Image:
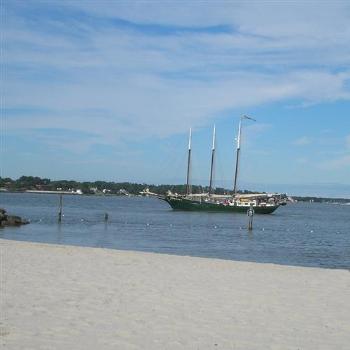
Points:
x=303, y=234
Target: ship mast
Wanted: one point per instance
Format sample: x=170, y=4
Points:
x=212, y=163
x=238, y=151
x=189, y=164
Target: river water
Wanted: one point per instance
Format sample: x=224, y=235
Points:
x=302, y=234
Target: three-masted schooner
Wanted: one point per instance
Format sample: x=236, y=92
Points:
x=262, y=203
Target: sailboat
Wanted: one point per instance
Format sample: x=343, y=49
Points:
x=261, y=203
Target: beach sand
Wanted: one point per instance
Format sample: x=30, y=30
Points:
x=63, y=297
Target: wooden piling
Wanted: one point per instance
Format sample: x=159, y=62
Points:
x=60, y=209
x=250, y=214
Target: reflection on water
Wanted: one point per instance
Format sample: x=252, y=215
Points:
x=298, y=234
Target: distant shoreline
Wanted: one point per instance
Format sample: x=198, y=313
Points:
x=307, y=199
x=34, y=184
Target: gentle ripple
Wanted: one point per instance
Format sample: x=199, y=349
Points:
x=304, y=234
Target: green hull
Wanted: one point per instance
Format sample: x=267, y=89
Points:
x=191, y=205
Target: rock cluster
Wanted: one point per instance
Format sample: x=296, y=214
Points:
x=11, y=220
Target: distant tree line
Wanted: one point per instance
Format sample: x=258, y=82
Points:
x=104, y=187
x=36, y=183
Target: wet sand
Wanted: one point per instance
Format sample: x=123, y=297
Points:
x=63, y=297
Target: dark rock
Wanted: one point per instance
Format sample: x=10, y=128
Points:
x=11, y=220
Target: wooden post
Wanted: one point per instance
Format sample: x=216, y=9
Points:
x=60, y=209
x=250, y=214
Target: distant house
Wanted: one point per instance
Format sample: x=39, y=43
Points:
x=123, y=192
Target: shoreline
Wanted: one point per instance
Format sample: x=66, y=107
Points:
x=56, y=296
x=303, y=199
x=120, y=250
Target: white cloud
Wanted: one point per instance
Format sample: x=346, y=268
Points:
x=347, y=141
x=302, y=141
x=303, y=161
x=151, y=105
x=292, y=24
x=339, y=160
x=338, y=163
x=153, y=85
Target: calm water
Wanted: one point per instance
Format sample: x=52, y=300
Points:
x=298, y=234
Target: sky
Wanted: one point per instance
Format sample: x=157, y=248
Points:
x=107, y=90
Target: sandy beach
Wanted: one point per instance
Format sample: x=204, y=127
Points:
x=63, y=297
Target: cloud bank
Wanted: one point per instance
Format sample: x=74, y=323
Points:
x=145, y=69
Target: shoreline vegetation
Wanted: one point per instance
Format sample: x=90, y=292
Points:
x=44, y=185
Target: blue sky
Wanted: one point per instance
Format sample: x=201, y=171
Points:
x=108, y=90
